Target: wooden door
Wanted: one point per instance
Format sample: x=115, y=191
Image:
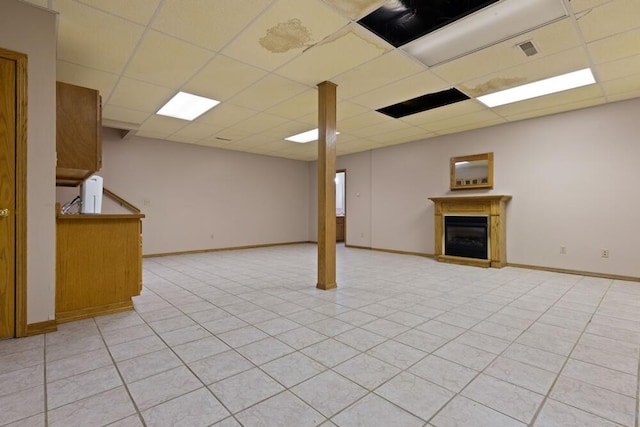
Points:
x=7, y=197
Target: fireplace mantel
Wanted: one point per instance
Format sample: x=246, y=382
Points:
x=492, y=206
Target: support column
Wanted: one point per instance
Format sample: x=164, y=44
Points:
x=326, y=185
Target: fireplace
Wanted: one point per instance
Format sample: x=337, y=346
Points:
x=466, y=236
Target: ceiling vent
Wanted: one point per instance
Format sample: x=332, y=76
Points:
x=528, y=48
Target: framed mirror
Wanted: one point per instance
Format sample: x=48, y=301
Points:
x=469, y=172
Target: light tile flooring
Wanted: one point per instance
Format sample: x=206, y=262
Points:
x=244, y=338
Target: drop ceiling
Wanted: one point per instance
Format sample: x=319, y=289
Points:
x=140, y=53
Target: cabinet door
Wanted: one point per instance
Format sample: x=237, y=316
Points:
x=78, y=133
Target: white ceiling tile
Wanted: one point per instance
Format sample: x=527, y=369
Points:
x=617, y=69
x=268, y=92
x=197, y=131
x=284, y=31
x=621, y=96
x=549, y=101
x=556, y=109
x=222, y=78
x=259, y=123
x=122, y=114
x=381, y=71
x=582, y=5
x=300, y=105
x=355, y=9
x=86, y=77
x=166, y=61
x=615, y=47
x=332, y=57
x=484, y=116
x=162, y=125
x=611, y=18
x=139, y=11
x=287, y=129
x=385, y=127
x=471, y=126
x=553, y=38
x=83, y=40
x=209, y=24
x=226, y=114
x=371, y=118
x=140, y=96
x=452, y=110
x=402, y=90
x=626, y=84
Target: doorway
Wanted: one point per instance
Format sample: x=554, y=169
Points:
x=13, y=126
x=341, y=206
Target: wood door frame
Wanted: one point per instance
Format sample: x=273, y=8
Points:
x=20, y=326
x=345, y=204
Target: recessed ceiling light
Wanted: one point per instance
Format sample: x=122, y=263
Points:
x=304, y=137
x=186, y=106
x=548, y=86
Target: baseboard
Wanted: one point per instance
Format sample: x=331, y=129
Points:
x=578, y=272
x=231, y=248
x=42, y=327
x=85, y=313
x=392, y=251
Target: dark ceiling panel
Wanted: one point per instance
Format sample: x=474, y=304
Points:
x=424, y=103
x=401, y=21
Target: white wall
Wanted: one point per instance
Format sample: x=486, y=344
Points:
x=574, y=180
x=32, y=31
x=194, y=192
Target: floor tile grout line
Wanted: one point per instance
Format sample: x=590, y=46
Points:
x=547, y=396
x=46, y=385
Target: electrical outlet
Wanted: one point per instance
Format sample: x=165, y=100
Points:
x=604, y=253
x=563, y=250
x=146, y=202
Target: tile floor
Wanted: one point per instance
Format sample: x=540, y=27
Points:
x=244, y=338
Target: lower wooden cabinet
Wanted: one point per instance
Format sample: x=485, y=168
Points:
x=98, y=264
x=340, y=229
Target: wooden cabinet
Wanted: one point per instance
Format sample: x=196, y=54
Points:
x=340, y=229
x=98, y=264
x=78, y=133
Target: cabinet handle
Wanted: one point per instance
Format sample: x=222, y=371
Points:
x=4, y=213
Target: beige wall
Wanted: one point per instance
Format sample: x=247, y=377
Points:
x=573, y=177
x=32, y=31
x=193, y=193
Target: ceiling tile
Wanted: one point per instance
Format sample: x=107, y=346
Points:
x=161, y=125
x=611, y=18
x=556, y=109
x=87, y=77
x=402, y=90
x=222, y=78
x=457, y=122
x=582, y=5
x=617, y=69
x=226, y=114
x=121, y=114
x=268, y=92
x=284, y=31
x=545, y=67
x=553, y=38
x=355, y=9
x=259, y=123
x=165, y=60
x=287, y=129
x=470, y=126
x=381, y=71
x=621, y=96
x=346, y=109
x=139, y=11
x=81, y=37
x=137, y=95
x=300, y=105
x=409, y=133
x=209, y=24
x=197, y=131
x=459, y=108
x=626, y=84
x=181, y=138
x=232, y=134
x=370, y=118
x=383, y=128
x=615, y=47
x=332, y=57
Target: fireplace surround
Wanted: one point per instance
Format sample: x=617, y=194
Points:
x=471, y=216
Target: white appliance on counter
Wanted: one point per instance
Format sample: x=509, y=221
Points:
x=91, y=195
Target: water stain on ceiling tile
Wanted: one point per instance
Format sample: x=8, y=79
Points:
x=493, y=85
x=285, y=36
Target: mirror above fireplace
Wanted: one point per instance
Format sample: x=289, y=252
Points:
x=469, y=172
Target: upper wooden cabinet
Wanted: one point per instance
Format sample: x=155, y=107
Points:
x=78, y=133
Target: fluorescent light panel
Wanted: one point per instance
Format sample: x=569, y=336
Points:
x=304, y=137
x=548, y=86
x=498, y=22
x=186, y=106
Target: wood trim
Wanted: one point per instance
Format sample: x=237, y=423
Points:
x=485, y=263
x=21, y=61
x=327, y=101
x=492, y=206
x=231, y=248
x=42, y=328
x=95, y=217
x=392, y=251
x=85, y=313
x=578, y=272
x=120, y=200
